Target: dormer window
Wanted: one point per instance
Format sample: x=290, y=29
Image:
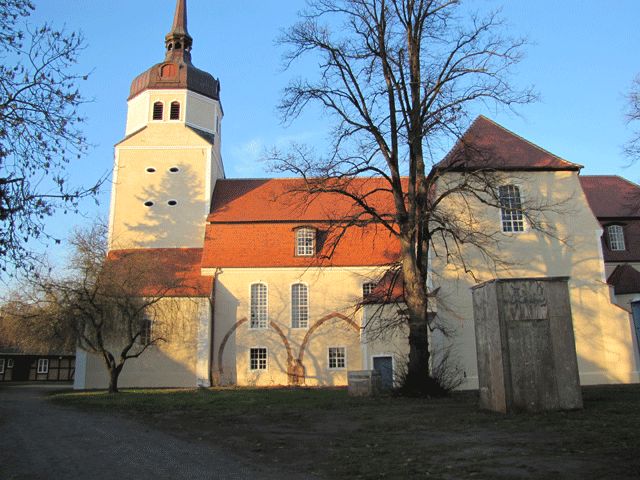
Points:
x=305, y=242
x=615, y=235
x=175, y=111
x=158, y=108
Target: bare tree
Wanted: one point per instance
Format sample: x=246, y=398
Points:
x=108, y=303
x=632, y=147
x=39, y=128
x=400, y=78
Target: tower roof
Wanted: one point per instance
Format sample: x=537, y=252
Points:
x=177, y=71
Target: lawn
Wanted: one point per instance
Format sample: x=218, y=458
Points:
x=324, y=431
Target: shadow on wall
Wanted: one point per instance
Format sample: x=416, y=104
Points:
x=174, y=211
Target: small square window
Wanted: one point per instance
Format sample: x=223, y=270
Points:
x=43, y=365
x=368, y=288
x=258, y=359
x=337, y=357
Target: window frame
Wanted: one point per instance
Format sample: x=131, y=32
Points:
x=43, y=366
x=153, y=111
x=297, y=233
x=621, y=239
x=171, y=105
x=258, y=325
x=2, y=367
x=306, y=325
x=9, y=363
x=266, y=359
x=146, y=333
x=501, y=210
x=344, y=357
x=365, y=284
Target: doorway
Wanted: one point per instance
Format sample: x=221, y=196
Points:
x=384, y=365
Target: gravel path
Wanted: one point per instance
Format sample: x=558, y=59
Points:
x=42, y=441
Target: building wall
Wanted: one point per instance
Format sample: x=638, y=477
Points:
x=334, y=321
x=162, y=146
x=603, y=331
x=173, y=363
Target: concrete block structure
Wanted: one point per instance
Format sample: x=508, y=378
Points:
x=526, y=347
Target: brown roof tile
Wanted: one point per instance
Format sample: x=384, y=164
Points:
x=625, y=279
x=487, y=145
x=611, y=196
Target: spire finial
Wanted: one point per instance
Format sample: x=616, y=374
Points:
x=178, y=41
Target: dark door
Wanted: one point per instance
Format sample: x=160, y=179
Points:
x=21, y=367
x=384, y=365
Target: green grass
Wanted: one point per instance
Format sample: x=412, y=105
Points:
x=326, y=432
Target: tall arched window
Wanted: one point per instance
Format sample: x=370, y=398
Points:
x=158, y=107
x=259, y=312
x=305, y=242
x=511, y=209
x=299, y=306
x=175, y=111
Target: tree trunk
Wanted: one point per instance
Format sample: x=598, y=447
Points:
x=418, y=379
x=114, y=373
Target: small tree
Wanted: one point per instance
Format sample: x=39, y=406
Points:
x=400, y=78
x=107, y=302
x=39, y=128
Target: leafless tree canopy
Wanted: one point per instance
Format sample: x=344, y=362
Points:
x=39, y=128
x=401, y=78
x=632, y=147
x=104, y=304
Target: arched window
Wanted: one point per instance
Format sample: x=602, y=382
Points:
x=615, y=235
x=511, y=209
x=259, y=306
x=299, y=306
x=158, y=108
x=175, y=111
x=305, y=242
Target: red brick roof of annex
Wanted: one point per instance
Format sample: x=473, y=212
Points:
x=625, y=279
x=169, y=272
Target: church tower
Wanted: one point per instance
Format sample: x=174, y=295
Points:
x=167, y=164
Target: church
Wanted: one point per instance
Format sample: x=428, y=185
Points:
x=265, y=299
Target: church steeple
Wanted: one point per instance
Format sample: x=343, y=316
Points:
x=178, y=42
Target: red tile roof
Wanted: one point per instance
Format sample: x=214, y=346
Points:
x=487, y=145
x=611, y=196
x=282, y=199
x=171, y=272
x=625, y=279
x=390, y=289
x=272, y=245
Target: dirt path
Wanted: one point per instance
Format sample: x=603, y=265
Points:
x=42, y=441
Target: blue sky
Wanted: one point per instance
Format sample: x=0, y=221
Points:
x=582, y=59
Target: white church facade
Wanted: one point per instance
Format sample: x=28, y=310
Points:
x=265, y=299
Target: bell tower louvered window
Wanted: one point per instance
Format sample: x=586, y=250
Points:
x=175, y=111
x=158, y=108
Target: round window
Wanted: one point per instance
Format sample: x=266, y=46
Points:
x=172, y=203
x=151, y=170
x=174, y=169
x=148, y=204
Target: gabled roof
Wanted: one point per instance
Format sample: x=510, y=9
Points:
x=625, y=279
x=611, y=196
x=487, y=145
x=168, y=272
